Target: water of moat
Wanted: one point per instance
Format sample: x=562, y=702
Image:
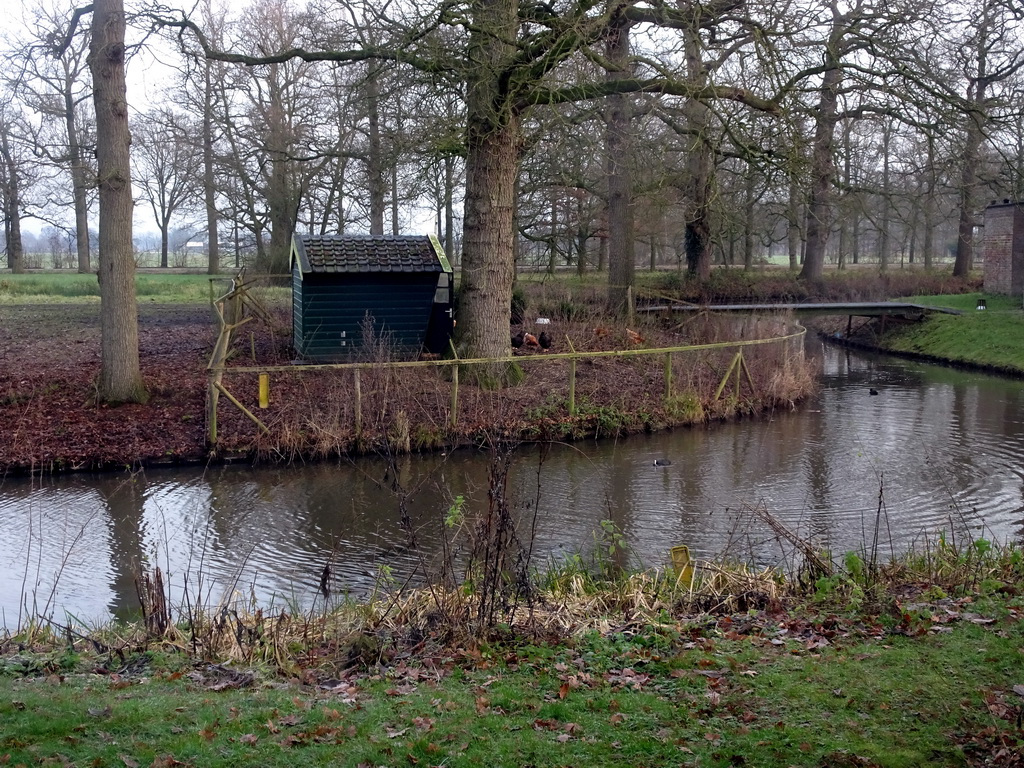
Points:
x=935, y=450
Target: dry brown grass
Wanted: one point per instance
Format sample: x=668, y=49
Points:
x=313, y=413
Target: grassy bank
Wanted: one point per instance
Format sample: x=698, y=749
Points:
x=911, y=664
x=990, y=338
x=720, y=697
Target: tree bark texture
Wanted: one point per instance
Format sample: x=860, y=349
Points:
x=973, y=138
x=80, y=182
x=699, y=165
x=11, y=203
x=374, y=157
x=618, y=145
x=823, y=170
x=120, y=376
x=493, y=144
x=209, y=176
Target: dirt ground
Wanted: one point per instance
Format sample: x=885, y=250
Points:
x=49, y=361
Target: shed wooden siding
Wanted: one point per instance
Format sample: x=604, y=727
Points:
x=338, y=304
x=338, y=280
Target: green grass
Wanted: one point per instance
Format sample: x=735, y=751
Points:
x=678, y=696
x=74, y=288
x=990, y=337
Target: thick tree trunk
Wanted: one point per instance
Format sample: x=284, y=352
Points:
x=493, y=146
x=284, y=211
x=885, y=236
x=164, y=246
x=699, y=167
x=80, y=181
x=819, y=207
x=374, y=157
x=619, y=148
x=120, y=376
x=973, y=138
x=449, y=208
x=793, y=233
x=12, y=206
x=750, y=202
x=282, y=195
x=488, y=256
x=928, y=244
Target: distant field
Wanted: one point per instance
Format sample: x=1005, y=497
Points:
x=71, y=287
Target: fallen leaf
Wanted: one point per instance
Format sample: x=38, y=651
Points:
x=128, y=761
x=165, y=761
x=249, y=738
x=394, y=734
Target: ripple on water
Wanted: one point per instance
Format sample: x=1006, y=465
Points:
x=935, y=450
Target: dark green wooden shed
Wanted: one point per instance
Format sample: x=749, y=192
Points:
x=402, y=285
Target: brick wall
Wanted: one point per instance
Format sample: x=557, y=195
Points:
x=1003, y=249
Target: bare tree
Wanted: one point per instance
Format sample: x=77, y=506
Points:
x=120, y=377
x=169, y=170
x=57, y=88
x=988, y=54
x=12, y=172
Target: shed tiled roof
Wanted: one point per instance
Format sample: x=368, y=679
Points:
x=366, y=253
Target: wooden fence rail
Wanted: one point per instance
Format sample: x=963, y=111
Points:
x=230, y=307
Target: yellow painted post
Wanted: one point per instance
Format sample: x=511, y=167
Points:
x=264, y=390
x=682, y=565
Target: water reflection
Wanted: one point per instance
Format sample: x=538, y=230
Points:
x=936, y=449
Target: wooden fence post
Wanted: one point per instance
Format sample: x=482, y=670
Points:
x=572, y=387
x=572, y=379
x=668, y=377
x=453, y=417
x=358, y=405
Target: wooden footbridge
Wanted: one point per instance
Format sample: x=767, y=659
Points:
x=902, y=309
x=898, y=310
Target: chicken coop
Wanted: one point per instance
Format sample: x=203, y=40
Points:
x=349, y=290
